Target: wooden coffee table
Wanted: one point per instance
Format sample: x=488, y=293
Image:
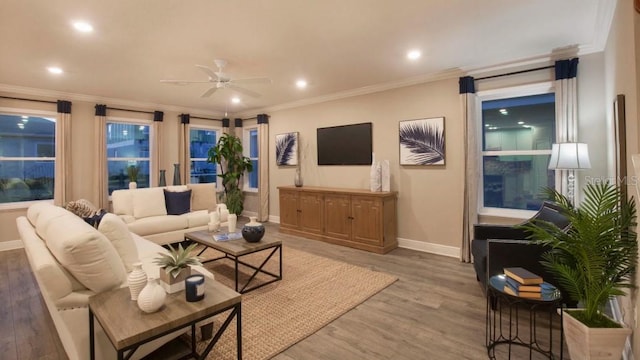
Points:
x=234, y=249
x=128, y=327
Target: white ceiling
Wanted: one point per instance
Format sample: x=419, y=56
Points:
x=339, y=46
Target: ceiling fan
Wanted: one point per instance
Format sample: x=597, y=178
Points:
x=221, y=80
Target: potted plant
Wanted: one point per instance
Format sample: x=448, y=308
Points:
x=175, y=267
x=593, y=261
x=228, y=154
x=132, y=172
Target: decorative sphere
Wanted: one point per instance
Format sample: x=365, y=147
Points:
x=253, y=231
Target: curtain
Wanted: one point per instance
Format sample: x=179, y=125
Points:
x=62, y=176
x=471, y=170
x=263, y=167
x=157, y=155
x=101, y=177
x=566, y=113
x=184, y=152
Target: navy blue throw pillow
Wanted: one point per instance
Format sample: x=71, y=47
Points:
x=177, y=203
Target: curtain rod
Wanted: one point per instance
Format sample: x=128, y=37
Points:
x=16, y=98
x=135, y=111
x=515, y=72
x=251, y=118
x=204, y=118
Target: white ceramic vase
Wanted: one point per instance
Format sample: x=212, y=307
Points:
x=231, y=220
x=152, y=297
x=137, y=279
x=133, y=185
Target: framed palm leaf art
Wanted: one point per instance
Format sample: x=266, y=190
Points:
x=287, y=149
x=422, y=142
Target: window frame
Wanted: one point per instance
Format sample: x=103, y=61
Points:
x=131, y=121
x=496, y=94
x=246, y=144
x=37, y=113
x=218, y=130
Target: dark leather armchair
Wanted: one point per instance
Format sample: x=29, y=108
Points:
x=495, y=247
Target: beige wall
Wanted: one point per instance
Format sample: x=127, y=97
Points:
x=429, y=198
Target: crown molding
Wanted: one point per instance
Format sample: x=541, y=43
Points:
x=56, y=95
x=416, y=80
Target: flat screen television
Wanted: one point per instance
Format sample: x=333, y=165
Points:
x=345, y=145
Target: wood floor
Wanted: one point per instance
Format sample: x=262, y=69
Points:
x=436, y=310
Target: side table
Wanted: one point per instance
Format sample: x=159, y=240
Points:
x=501, y=305
x=128, y=327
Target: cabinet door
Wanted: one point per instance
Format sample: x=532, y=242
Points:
x=366, y=215
x=311, y=205
x=337, y=216
x=289, y=209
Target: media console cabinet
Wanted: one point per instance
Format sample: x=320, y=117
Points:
x=359, y=219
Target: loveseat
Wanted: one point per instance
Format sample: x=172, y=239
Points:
x=72, y=260
x=164, y=214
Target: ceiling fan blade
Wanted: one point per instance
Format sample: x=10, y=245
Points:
x=242, y=90
x=258, y=80
x=209, y=92
x=207, y=71
x=182, y=82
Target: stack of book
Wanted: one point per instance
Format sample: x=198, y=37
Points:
x=523, y=283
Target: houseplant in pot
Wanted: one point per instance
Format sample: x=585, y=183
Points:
x=228, y=154
x=132, y=172
x=593, y=261
x=174, y=267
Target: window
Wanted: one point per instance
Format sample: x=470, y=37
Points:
x=517, y=133
x=27, y=157
x=200, y=141
x=127, y=144
x=250, y=147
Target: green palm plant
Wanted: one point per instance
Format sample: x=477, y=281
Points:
x=228, y=154
x=177, y=259
x=132, y=172
x=597, y=257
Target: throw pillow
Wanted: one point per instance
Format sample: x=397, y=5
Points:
x=177, y=203
x=118, y=233
x=203, y=196
x=82, y=207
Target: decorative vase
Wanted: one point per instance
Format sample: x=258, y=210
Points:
x=213, y=226
x=176, y=174
x=163, y=178
x=172, y=284
x=297, y=180
x=231, y=220
x=152, y=297
x=253, y=231
x=223, y=213
x=137, y=279
x=133, y=185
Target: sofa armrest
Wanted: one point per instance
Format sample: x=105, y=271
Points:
x=502, y=253
x=489, y=231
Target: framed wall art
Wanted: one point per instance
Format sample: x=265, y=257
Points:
x=287, y=149
x=422, y=142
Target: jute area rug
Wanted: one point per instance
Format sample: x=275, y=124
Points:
x=313, y=292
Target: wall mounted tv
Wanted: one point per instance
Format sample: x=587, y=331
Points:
x=345, y=145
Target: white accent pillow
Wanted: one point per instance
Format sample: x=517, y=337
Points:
x=148, y=202
x=118, y=233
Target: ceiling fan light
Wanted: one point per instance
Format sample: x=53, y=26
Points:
x=235, y=100
x=301, y=84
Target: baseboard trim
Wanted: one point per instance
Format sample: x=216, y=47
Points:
x=11, y=245
x=450, y=251
x=274, y=219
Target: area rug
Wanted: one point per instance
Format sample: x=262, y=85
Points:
x=313, y=292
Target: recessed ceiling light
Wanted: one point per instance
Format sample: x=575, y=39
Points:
x=520, y=122
x=235, y=100
x=54, y=70
x=82, y=26
x=301, y=84
x=414, y=54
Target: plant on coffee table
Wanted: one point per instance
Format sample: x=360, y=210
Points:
x=175, y=266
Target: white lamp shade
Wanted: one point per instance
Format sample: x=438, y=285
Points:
x=569, y=156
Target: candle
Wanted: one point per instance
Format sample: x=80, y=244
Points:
x=194, y=288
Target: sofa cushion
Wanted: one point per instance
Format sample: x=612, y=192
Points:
x=122, y=202
x=118, y=233
x=158, y=224
x=84, y=252
x=177, y=202
x=148, y=202
x=197, y=218
x=203, y=196
x=46, y=217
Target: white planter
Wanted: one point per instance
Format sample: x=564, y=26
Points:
x=593, y=343
x=133, y=185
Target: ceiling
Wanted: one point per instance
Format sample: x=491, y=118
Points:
x=340, y=47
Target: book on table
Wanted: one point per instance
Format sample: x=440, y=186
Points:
x=523, y=276
x=523, y=294
x=227, y=236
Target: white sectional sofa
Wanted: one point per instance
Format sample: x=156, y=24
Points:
x=72, y=260
x=146, y=213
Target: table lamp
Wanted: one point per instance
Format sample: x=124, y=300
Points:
x=569, y=156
